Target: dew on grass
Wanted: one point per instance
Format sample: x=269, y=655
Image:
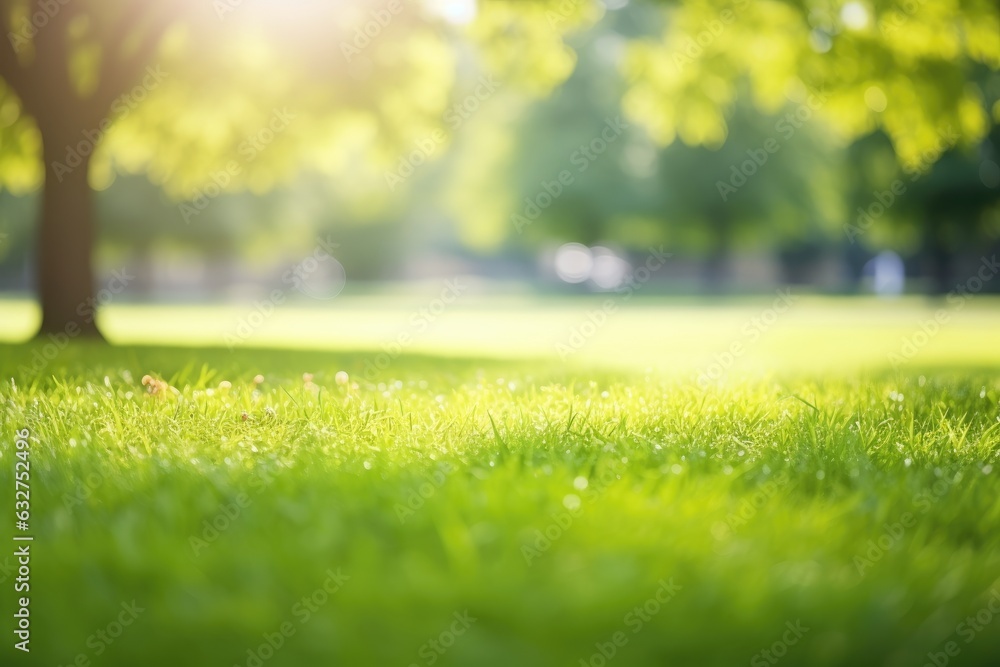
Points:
x=571, y=501
x=580, y=483
x=820, y=474
x=987, y=469
x=907, y=462
x=676, y=469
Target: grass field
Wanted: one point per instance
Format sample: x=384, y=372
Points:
x=479, y=500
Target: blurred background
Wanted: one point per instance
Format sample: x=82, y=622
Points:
x=534, y=147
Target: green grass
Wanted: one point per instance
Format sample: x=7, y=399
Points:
x=824, y=335
x=428, y=486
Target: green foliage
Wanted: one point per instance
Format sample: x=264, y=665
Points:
x=251, y=96
x=20, y=146
x=361, y=82
x=903, y=67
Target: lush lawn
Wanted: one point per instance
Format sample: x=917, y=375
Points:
x=674, y=337
x=522, y=511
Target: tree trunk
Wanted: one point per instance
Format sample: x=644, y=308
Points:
x=716, y=266
x=66, y=241
x=939, y=256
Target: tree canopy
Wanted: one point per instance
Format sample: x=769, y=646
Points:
x=383, y=100
x=365, y=81
x=908, y=68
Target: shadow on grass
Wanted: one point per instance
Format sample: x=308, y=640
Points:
x=40, y=364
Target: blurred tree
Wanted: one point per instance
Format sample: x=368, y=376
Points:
x=211, y=97
x=940, y=207
x=771, y=186
x=623, y=189
x=951, y=207
x=15, y=237
x=68, y=73
x=906, y=67
x=921, y=74
x=727, y=76
x=193, y=93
